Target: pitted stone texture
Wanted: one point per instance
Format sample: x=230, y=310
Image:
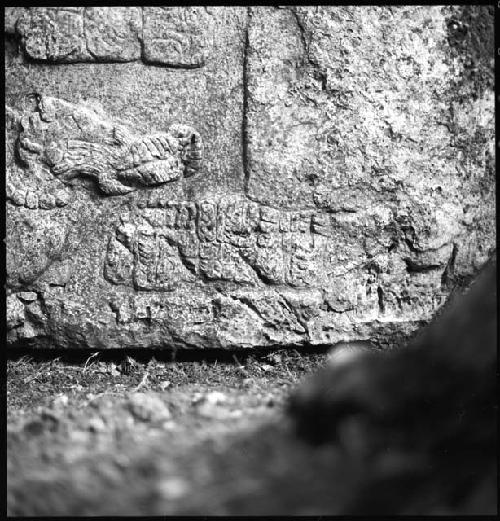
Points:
x=327, y=179
x=352, y=108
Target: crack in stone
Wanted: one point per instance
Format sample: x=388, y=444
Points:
x=449, y=270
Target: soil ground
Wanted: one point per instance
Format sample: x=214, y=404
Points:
x=115, y=433
x=131, y=434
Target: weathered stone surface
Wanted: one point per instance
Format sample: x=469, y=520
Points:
x=250, y=177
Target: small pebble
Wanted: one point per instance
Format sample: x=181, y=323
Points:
x=148, y=407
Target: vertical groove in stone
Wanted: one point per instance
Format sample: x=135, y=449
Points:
x=244, y=122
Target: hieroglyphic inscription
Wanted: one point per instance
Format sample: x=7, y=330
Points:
x=113, y=33
x=53, y=33
x=170, y=36
x=226, y=240
x=177, y=36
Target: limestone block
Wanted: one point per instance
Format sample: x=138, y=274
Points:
x=232, y=177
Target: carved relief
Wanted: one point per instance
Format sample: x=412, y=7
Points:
x=150, y=160
x=171, y=36
x=35, y=200
x=242, y=242
x=227, y=240
x=147, y=256
x=177, y=36
x=77, y=142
